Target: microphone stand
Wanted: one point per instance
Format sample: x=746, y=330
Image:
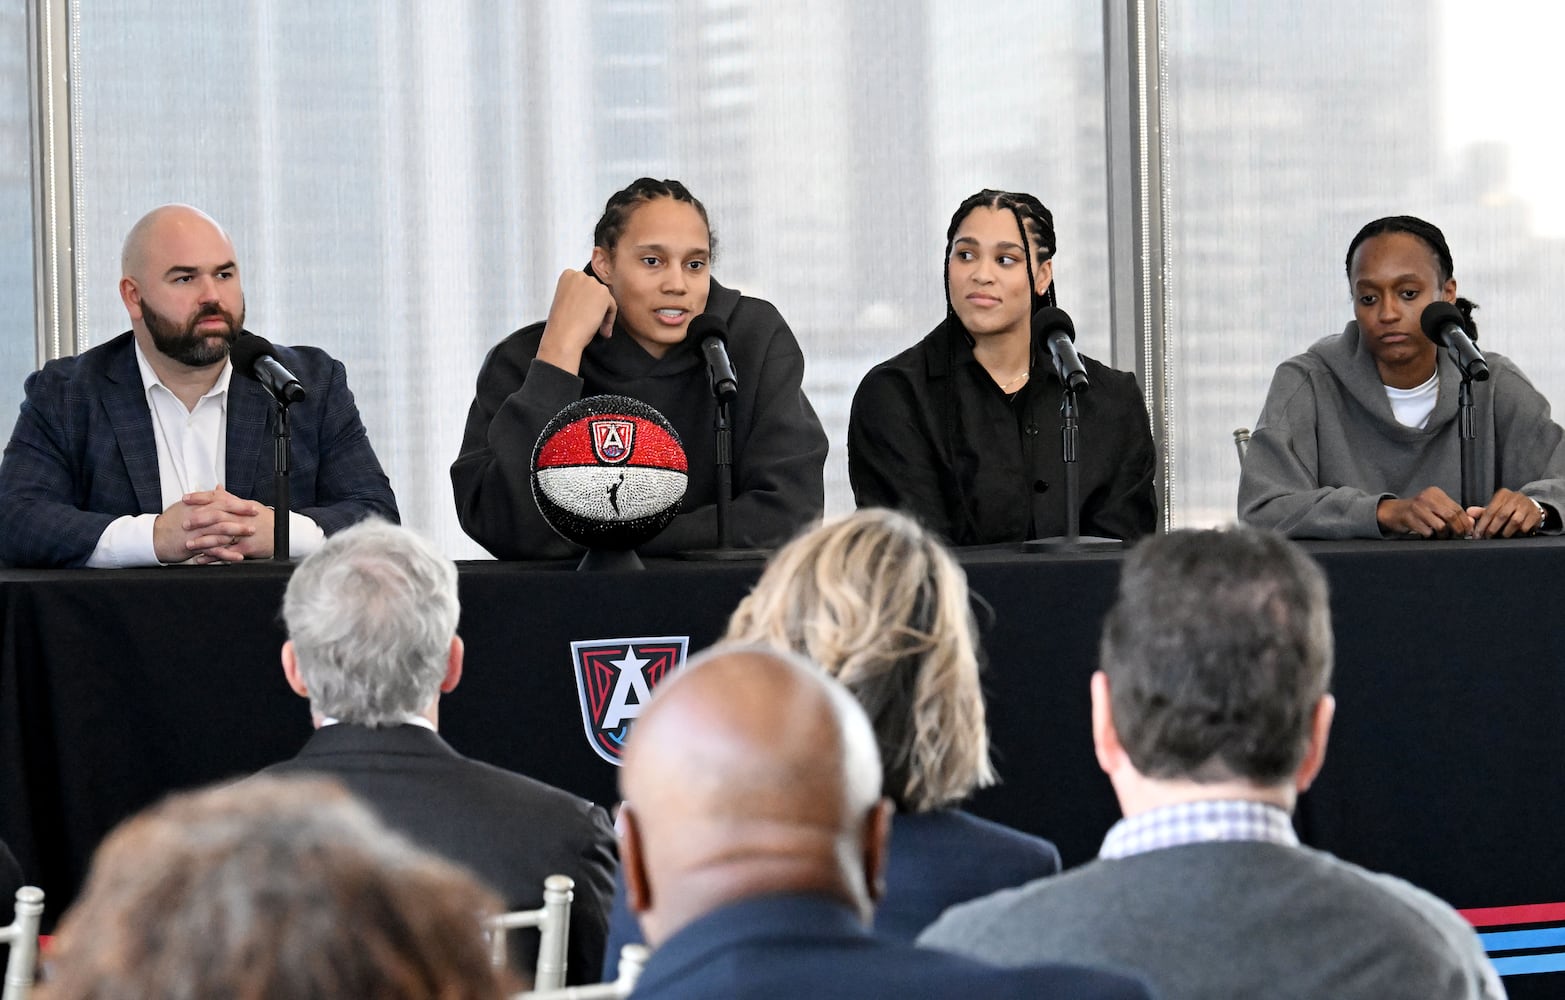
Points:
x=281, y=466
x=723, y=428
x=1471, y=489
x=1072, y=540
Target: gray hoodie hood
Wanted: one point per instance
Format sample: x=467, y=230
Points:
x=1350, y=361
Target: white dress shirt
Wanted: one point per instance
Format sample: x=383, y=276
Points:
x=413, y=719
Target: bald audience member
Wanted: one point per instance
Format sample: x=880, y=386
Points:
x=753, y=838
x=146, y=449
x=270, y=889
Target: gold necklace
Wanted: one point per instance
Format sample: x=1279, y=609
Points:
x=1006, y=386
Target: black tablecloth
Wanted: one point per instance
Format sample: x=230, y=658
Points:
x=1444, y=764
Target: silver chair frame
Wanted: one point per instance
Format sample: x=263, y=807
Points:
x=22, y=935
x=553, y=920
x=632, y=959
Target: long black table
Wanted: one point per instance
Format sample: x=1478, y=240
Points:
x=1445, y=763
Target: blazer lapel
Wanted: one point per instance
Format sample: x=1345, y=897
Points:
x=125, y=405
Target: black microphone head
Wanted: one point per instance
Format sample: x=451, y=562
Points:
x=707, y=325
x=248, y=349
x=1050, y=319
x=1437, y=317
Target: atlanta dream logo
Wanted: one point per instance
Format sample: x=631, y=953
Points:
x=612, y=439
x=614, y=682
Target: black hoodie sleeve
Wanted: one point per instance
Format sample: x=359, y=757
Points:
x=492, y=476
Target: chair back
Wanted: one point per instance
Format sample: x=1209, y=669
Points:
x=632, y=959
x=1242, y=442
x=553, y=920
x=22, y=936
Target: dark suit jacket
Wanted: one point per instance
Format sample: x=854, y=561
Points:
x=509, y=829
x=809, y=946
x=83, y=453
x=941, y=858
x=937, y=859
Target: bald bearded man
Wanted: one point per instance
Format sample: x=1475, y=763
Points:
x=143, y=450
x=753, y=839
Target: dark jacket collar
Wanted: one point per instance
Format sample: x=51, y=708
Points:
x=124, y=402
x=949, y=344
x=770, y=918
x=345, y=738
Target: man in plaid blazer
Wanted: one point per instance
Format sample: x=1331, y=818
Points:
x=143, y=450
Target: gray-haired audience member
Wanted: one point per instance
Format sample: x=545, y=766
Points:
x=271, y=888
x=1209, y=715
x=754, y=840
x=372, y=643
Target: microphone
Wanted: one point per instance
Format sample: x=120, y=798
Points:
x=1442, y=323
x=711, y=332
x=255, y=357
x=1054, y=327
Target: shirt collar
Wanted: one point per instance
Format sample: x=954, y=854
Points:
x=413, y=719
x=149, y=378
x=1199, y=823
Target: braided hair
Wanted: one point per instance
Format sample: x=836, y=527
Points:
x=1433, y=238
x=616, y=214
x=1033, y=220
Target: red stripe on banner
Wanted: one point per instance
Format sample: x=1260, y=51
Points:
x=1530, y=913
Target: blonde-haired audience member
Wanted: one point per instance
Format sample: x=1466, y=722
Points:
x=271, y=888
x=880, y=604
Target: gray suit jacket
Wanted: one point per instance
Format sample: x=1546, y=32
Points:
x=1236, y=920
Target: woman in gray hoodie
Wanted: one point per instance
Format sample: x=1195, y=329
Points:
x=1359, y=437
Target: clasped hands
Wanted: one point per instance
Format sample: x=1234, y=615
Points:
x=1433, y=514
x=213, y=526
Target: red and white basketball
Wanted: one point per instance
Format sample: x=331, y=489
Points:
x=609, y=472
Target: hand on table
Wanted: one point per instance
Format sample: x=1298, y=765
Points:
x=213, y=526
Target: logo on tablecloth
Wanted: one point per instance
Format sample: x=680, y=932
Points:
x=614, y=681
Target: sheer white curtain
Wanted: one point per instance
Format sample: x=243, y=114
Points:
x=17, y=342
x=404, y=181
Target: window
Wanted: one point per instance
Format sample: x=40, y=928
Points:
x=405, y=182
x=18, y=347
